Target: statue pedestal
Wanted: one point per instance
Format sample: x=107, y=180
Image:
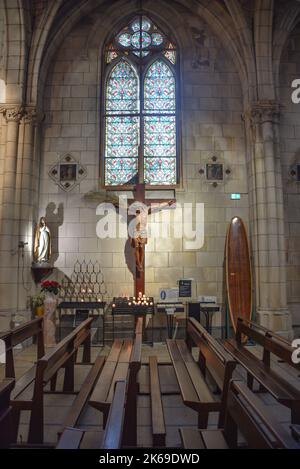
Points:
x=50, y=304
x=40, y=270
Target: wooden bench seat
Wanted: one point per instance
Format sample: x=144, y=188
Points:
x=6, y=431
x=29, y=394
x=269, y=379
x=194, y=390
x=244, y=413
x=115, y=368
x=202, y=439
x=157, y=413
x=82, y=398
x=191, y=375
x=72, y=438
x=213, y=359
x=122, y=363
x=282, y=391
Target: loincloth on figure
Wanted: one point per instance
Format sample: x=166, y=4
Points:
x=139, y=239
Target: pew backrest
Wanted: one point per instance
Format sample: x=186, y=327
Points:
x=18, y=335
x=244, y=411
x=72, y=438
x=213, y=356
x=112, y=438
x=270, y=341
x=64, y=351
x=6, y=386
x=137, y=345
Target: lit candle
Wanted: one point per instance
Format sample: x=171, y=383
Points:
x=113, y=305
x=129, y=304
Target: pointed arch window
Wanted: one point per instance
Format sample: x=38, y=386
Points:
x=140, y=104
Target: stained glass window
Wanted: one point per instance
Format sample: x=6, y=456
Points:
x=122, y=89
x=160, y=127
x=159, y=88
x=122, y=124
x=140, y=106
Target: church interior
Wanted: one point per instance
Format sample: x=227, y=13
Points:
x=150, y=224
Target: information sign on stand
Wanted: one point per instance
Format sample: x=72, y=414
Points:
x=185, y=288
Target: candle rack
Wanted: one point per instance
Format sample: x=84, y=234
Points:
x=131, y=305
x=86, y=283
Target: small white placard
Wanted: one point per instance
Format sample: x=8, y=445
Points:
x=168, y=295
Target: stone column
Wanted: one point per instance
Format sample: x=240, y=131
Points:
x=26, y=180
x=25, y=197
x=8, y=232
x=268, y=237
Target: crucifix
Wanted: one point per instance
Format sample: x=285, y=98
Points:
x=139, y=237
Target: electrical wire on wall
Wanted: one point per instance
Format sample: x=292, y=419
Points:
x=21, y=260
x=28, y=287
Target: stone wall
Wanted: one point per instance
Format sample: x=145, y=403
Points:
x=290, y=155
x=211, y=125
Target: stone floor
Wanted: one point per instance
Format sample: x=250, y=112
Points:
x=176, y=414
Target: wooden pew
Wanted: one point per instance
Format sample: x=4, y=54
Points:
x=213, y=358
x=82, y=398
x=31, y=395
x=246, y=413
x=123, y=362
x=6, y=433
x=261, y=370
x=112, y=439
x=194, y=389
x=31, y=329
x=157, y=413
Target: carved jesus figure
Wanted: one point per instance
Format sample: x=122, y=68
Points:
x=139, y=237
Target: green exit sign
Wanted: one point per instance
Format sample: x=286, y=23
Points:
x=235, y=196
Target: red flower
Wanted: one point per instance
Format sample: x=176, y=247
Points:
x=50, y=286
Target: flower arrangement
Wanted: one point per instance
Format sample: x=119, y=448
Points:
x=37, y=304
x=36, y=301
x=50, y=287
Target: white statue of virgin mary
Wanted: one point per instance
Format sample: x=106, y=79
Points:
x=42, y=242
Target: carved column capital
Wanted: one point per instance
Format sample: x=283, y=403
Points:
x=261, y=112
x=30, y=116
x=12, y=113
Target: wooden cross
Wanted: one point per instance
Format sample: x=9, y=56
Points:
x=140, y=196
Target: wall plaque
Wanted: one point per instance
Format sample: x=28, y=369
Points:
x=67, y=172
